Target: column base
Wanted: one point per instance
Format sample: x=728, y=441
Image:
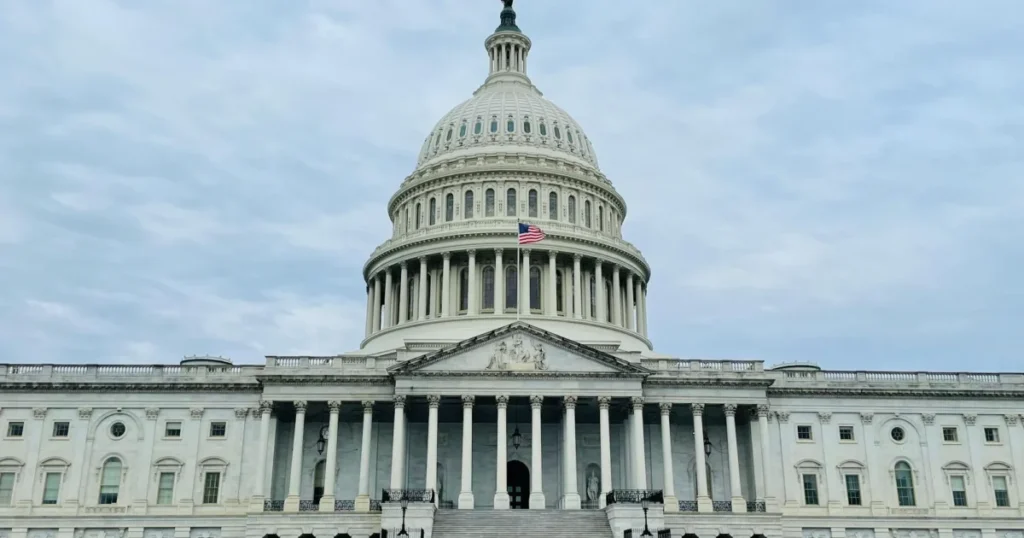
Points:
x=671, y=504
x=537, y=501
x=466, y=500
x=501, y=500
x=704, y=504
x=362, y=503
x=739, y=505
x=291, y=503
x=327, y=503
x=256, y=503
x=571, y=501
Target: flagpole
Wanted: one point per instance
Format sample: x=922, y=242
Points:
x=519, y=274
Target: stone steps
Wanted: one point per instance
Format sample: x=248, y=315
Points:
x=503, y=523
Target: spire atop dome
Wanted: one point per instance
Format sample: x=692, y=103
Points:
x=508, y=18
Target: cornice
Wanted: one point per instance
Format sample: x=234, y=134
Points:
x=322, y=379
x=708, y=381
x=141, y=386
x=531, y=375
x=897, y=392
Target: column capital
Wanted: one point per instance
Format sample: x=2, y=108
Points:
x=334, y=406
x=970, y=419
x=762, y=410
x=433, y=401
x=637, y=402
x=1011, y=420
x=666, y=408
x=783, y=417
x=577, y=257
x=446, y=255
x=498, y=251
x=404, y=265
x=730, y=410
x=569, y=402
x=698, y=409
x=468, y=400
x=604, y=402
x=536, y=401
x=825, y=418
x=266, y=406
x=399, y=400
x=526, y=251
x=300, y=406
x=502, y=400
x=615, y=268
x=929, y=419
x=471, y=252
x=423, y=260
x=552, y=253
x=367, y=406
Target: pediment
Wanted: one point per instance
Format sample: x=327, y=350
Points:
x=519, y=349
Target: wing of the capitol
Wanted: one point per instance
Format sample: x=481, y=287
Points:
x=507, y=389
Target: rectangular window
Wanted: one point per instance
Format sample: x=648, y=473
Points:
x=15, y=429
x=6, y=488
x=846, y=433
x=991, y=435
x=51, y=488
x=803, y=433
x=811, y=489
x=956, y=483
x=218, y=429
x=211, y=488
x=172, y=429
x=1001, y=491
x=949, y=434
x=165, y=489
x=61, y=429
x=853, y=489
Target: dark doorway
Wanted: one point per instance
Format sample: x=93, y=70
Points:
x=518, y=477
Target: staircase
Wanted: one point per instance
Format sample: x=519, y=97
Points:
x=503, y=523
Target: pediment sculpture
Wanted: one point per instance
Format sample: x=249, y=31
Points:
x=518, y=357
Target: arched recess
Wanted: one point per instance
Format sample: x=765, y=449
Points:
x=905, y=479
x=884, y=428
x=592, y=484
x=101, y=421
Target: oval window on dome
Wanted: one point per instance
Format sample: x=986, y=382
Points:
x=526, y=126
x=568, y=134
x=543, y=129
x=558, y=133
x=437, y=139
x=479, y=127
x=462, y=130
x=448, y=137
x=494, y=126
x=511, y=126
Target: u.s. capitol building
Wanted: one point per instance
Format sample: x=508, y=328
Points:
x=496, y=377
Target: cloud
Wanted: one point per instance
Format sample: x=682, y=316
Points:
x=832, y=183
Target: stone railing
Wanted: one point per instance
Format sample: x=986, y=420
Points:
x=702, y=366
x=338, y=364
x=795, y=378
x=98, y=372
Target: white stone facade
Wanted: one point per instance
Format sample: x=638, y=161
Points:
x=539, y=390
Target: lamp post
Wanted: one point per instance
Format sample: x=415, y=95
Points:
x=707, y=444
x=405, y=506
x=645, y=503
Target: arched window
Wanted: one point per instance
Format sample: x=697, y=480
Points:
x=488, y=291
x=532, y=201
x=463, y=290
x=110, y=481
x=586, y=213
x=543, y=128
x=489, y=203
x=511, y=288
x=526, y=125
x=433, y=211
x=318, y=481
x=535, y=288
x=558, y=133
x=600, y=217
x=568, y=134
x=418, y=214
x=559, y=290
x=572, y=209
x=448, y=137
x=462, y=129
x=511, y=127
x=904, y=484
x=478, y=127
x=553, y=206
x=494, y=125
x=510, y=203
x=467, y=209
x=449, y=207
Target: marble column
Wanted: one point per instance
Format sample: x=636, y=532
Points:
x=552, y=294
x=571, y=500
x=398, y=445
x=537, y=501
x=291, y=503
x=602, y=302
x=630, y=303
x=331, y=466
x=603, y=403
x=738, y=503
x=577, y=288
x=363, y=497
x=376, y=303
x=466, y=499
x=639, y=457
x=762, y=422
x=524, y=284
x=671, y=502
x=703, y=499
x=403, y=293
x=641, y=305
x=421, y=307
x=644, y=297
x=446, y=284
x=260, y=487
x=474, y=302
x=369, y=312
x=501, y=500
x=499, y=282
x=389, y=299
x=616, y=297
x=433, y=402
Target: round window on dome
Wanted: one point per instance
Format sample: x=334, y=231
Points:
x=479, y=127
x=511, y=126
x=568, y=134
x=494, y=126
x=117, y=430
x=898, y=434
x=543, y=129
x=558, y=133
x=462, y=130
x=526, y=126
x=448, y=137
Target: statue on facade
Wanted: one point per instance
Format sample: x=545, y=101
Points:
x=593, y=486
x=508, y=3
x=518, y=356
x=499, y=359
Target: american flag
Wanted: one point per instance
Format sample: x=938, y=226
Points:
x=528, y=233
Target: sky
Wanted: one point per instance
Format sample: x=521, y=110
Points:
x=832, y=182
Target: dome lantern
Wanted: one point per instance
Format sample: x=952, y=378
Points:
x=507, y=49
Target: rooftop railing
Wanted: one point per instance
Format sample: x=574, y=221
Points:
x=864, y=377
x=80, y=372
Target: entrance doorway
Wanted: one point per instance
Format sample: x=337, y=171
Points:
x=518, y=477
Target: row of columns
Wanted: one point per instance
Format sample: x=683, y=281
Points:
x=628, y=300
